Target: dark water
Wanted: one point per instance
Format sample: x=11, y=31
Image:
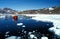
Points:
x=9, y=24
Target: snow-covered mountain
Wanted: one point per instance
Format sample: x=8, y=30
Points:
x=7, y=11
x=51, y=10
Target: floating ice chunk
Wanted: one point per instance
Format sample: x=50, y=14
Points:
x=57, y=32
x=19, y=38
x=33, y=31
x=32, y=36
x=23, y=26
x=25, y=32
x=35, y=37
x=52, y=29
x=44, y=37
x=56, y=23
x=19, y=24
x=6, y=35
x=13, y=37
x=30, y=33
x=7, y=32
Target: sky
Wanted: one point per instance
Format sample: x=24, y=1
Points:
x=21, y=5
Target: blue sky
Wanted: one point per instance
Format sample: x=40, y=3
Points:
x=28, y=4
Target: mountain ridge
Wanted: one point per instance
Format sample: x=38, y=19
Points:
x=51, y=10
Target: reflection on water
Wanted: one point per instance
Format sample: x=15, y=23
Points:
x=20, y=28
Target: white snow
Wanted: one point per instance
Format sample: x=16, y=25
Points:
x=6, y=35
x=29, y=33
x=7, y=32
x=23, y=26
x=51, y=8
x=44, y=37
x=13, y=37
x=57, y=32
x=35, y=37
x=19, y=24
x=32, y=36
x=8, y=11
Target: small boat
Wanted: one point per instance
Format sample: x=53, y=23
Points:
x=15, y=17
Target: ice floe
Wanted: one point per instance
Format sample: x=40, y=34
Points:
x=19, y=24
x=23, y=26
x=13, y=37
x=44, y=37
x=35, y=37
x=32, y=36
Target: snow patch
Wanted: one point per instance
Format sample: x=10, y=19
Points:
x=51, y=8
